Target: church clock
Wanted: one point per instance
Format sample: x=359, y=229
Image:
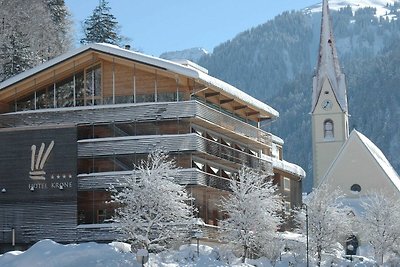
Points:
x=327, y=104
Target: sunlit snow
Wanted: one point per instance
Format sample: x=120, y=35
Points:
x=380, y=5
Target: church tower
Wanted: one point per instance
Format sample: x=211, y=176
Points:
x=330, y=123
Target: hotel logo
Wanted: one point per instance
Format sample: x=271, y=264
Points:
x=38, y=161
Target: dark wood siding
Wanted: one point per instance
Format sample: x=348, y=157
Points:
x=39, y=203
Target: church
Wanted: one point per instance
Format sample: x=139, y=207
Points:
x=349, y=161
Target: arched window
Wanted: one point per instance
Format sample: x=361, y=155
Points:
x=328, y=129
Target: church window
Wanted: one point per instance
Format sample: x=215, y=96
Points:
x=328, y=129
x=355, y=188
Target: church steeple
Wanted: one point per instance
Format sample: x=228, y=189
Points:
x=330, y=119
x=328, y=64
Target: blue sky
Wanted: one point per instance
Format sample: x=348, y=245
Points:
x=157, y=26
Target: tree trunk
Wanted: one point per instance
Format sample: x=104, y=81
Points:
x=319, y=256
x=244, y=254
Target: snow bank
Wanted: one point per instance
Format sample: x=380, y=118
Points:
x=117, y=254
x=51, y=254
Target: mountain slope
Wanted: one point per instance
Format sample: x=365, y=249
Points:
x=381, y=6
x=274, y=62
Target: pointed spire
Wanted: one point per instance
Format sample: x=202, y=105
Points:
x=328, y=63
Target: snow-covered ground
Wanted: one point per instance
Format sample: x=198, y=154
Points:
x=380, y=5
x=51, y=254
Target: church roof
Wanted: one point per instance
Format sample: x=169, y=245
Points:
x=376, y=154
x=380, y=158
x=328, y=63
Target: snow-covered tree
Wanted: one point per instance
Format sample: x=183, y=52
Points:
x=253, y=212
x=61, y=19
x=329, y=221
x=15, y=54
x=154, y=210
x=101, y=26
x=380, y=223
x=31, y=25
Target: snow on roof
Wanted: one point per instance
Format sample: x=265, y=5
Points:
x=189, y=70
x=380, y=158
x=286, y=166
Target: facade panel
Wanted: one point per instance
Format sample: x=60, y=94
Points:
x=38, y=184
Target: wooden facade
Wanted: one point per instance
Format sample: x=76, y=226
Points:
x=108, y=108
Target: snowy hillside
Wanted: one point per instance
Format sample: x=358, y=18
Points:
x=192, y=54
x=380, y=5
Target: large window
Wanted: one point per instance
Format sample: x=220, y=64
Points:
x=65, y=93
x=329, y=130
x=95, y=207
x=93, y=86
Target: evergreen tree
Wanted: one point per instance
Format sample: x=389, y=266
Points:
x=31, y=32
x=101, y=26
x=15, y=56
x=61, y=19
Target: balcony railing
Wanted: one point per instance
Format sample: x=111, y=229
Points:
x=181, y=143
x=185, y=177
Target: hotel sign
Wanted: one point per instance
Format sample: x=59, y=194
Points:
x=38, y=164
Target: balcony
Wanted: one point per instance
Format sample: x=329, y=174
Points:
x=192, y=176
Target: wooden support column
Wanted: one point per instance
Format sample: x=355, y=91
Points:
x=74, y=85
x=54, y=90
x=155, y=87
x=113, y=81
x=134, y=83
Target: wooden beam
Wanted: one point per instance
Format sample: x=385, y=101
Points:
x=251, y=113
x=207, y=95
x=240, y=107
x=225, y=101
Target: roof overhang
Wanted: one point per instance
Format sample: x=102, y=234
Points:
x=256, y=109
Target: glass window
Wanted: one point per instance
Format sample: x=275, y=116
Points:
x=79, y=89
x=45, y=98
x=27, y=103
x=93, y=85
x=65, y=93
x=328, y=129
x=286, y=184
x=95, y=207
